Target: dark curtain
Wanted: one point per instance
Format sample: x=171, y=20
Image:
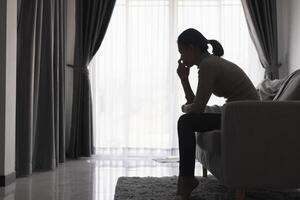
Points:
x=92, y=19
x=261, y=17
x=40, y=121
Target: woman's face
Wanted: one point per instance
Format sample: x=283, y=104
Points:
x=187, y=55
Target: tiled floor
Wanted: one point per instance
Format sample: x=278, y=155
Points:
x=85, y=179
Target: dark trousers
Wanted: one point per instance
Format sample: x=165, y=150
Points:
x=188, y=124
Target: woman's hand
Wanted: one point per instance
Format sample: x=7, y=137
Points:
x=182, y=71
x=183, y=108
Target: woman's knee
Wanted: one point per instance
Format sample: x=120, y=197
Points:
x=184, y=120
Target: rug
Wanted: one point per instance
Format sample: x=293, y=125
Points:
x=164, y=188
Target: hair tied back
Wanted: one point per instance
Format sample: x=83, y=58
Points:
x=217, y=47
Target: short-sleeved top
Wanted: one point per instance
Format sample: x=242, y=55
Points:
x=222, y=78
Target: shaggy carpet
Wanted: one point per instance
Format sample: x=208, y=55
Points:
x=164, y=188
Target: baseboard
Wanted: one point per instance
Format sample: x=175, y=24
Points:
x=8, y=179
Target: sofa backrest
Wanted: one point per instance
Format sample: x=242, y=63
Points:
x=290, y=89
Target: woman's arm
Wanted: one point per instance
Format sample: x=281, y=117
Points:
x=206, y=81
x=183, y=73
x=189, y=94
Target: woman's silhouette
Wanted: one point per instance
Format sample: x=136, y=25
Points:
x=216, y=76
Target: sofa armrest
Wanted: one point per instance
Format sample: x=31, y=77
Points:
x=260, y=143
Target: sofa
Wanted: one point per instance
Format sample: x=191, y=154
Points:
x=258, y=145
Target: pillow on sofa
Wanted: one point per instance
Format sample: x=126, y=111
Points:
x=267, y=89
x=290, y=89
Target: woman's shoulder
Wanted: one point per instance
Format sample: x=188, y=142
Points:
x=209, y=67
x=219, y=64
x=211, y=63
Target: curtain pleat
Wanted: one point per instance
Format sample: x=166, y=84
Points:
x=40, y=86
x=92, y=18
x=261, y=17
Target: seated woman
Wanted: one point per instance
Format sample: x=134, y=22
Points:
x=216, y=76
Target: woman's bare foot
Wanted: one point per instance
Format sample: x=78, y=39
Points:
x=185, y=185
x=179, y=183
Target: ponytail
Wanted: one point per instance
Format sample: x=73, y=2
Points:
x=217, y=47
x=193, y=37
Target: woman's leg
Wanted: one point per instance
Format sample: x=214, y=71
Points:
x=188, y=124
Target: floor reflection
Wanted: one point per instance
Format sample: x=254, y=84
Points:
x=90, y=179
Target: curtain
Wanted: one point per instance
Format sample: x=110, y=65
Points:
x=40, y=143
x=136, y=92
x=261, y=16
x=92, y=19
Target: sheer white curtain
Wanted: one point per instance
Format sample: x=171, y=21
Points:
x=136, y=93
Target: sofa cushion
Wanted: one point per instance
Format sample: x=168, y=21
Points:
x=209, y=140
x=290, y=89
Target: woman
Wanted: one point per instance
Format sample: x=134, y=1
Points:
x=215, y=76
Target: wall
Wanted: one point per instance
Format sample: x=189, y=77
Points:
x=11, y=62
x=8, y=55
x=289, y=34
x=2, y=83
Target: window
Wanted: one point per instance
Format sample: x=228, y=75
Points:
x=136, y=92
